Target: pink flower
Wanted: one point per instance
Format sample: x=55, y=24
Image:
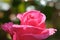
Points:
x=32, y=27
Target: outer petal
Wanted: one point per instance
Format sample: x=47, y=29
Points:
x=46, y=33
x=51, y=31
x=8, y=27
x=27, y=29
x=43, y=19
x=19, y=16
x=33, y=33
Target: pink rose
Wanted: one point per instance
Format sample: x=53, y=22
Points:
x=32, y=27
x=34, y=18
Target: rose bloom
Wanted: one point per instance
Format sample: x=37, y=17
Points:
x=32, y=27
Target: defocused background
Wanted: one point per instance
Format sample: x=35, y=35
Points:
x=9, y=9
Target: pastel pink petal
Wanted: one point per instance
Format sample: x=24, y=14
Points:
x=43, y=18
x=51, y=31
x=20, y=16
x=8, y=27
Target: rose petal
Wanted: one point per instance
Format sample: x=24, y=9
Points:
x=7, y=27
x=19, y=16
